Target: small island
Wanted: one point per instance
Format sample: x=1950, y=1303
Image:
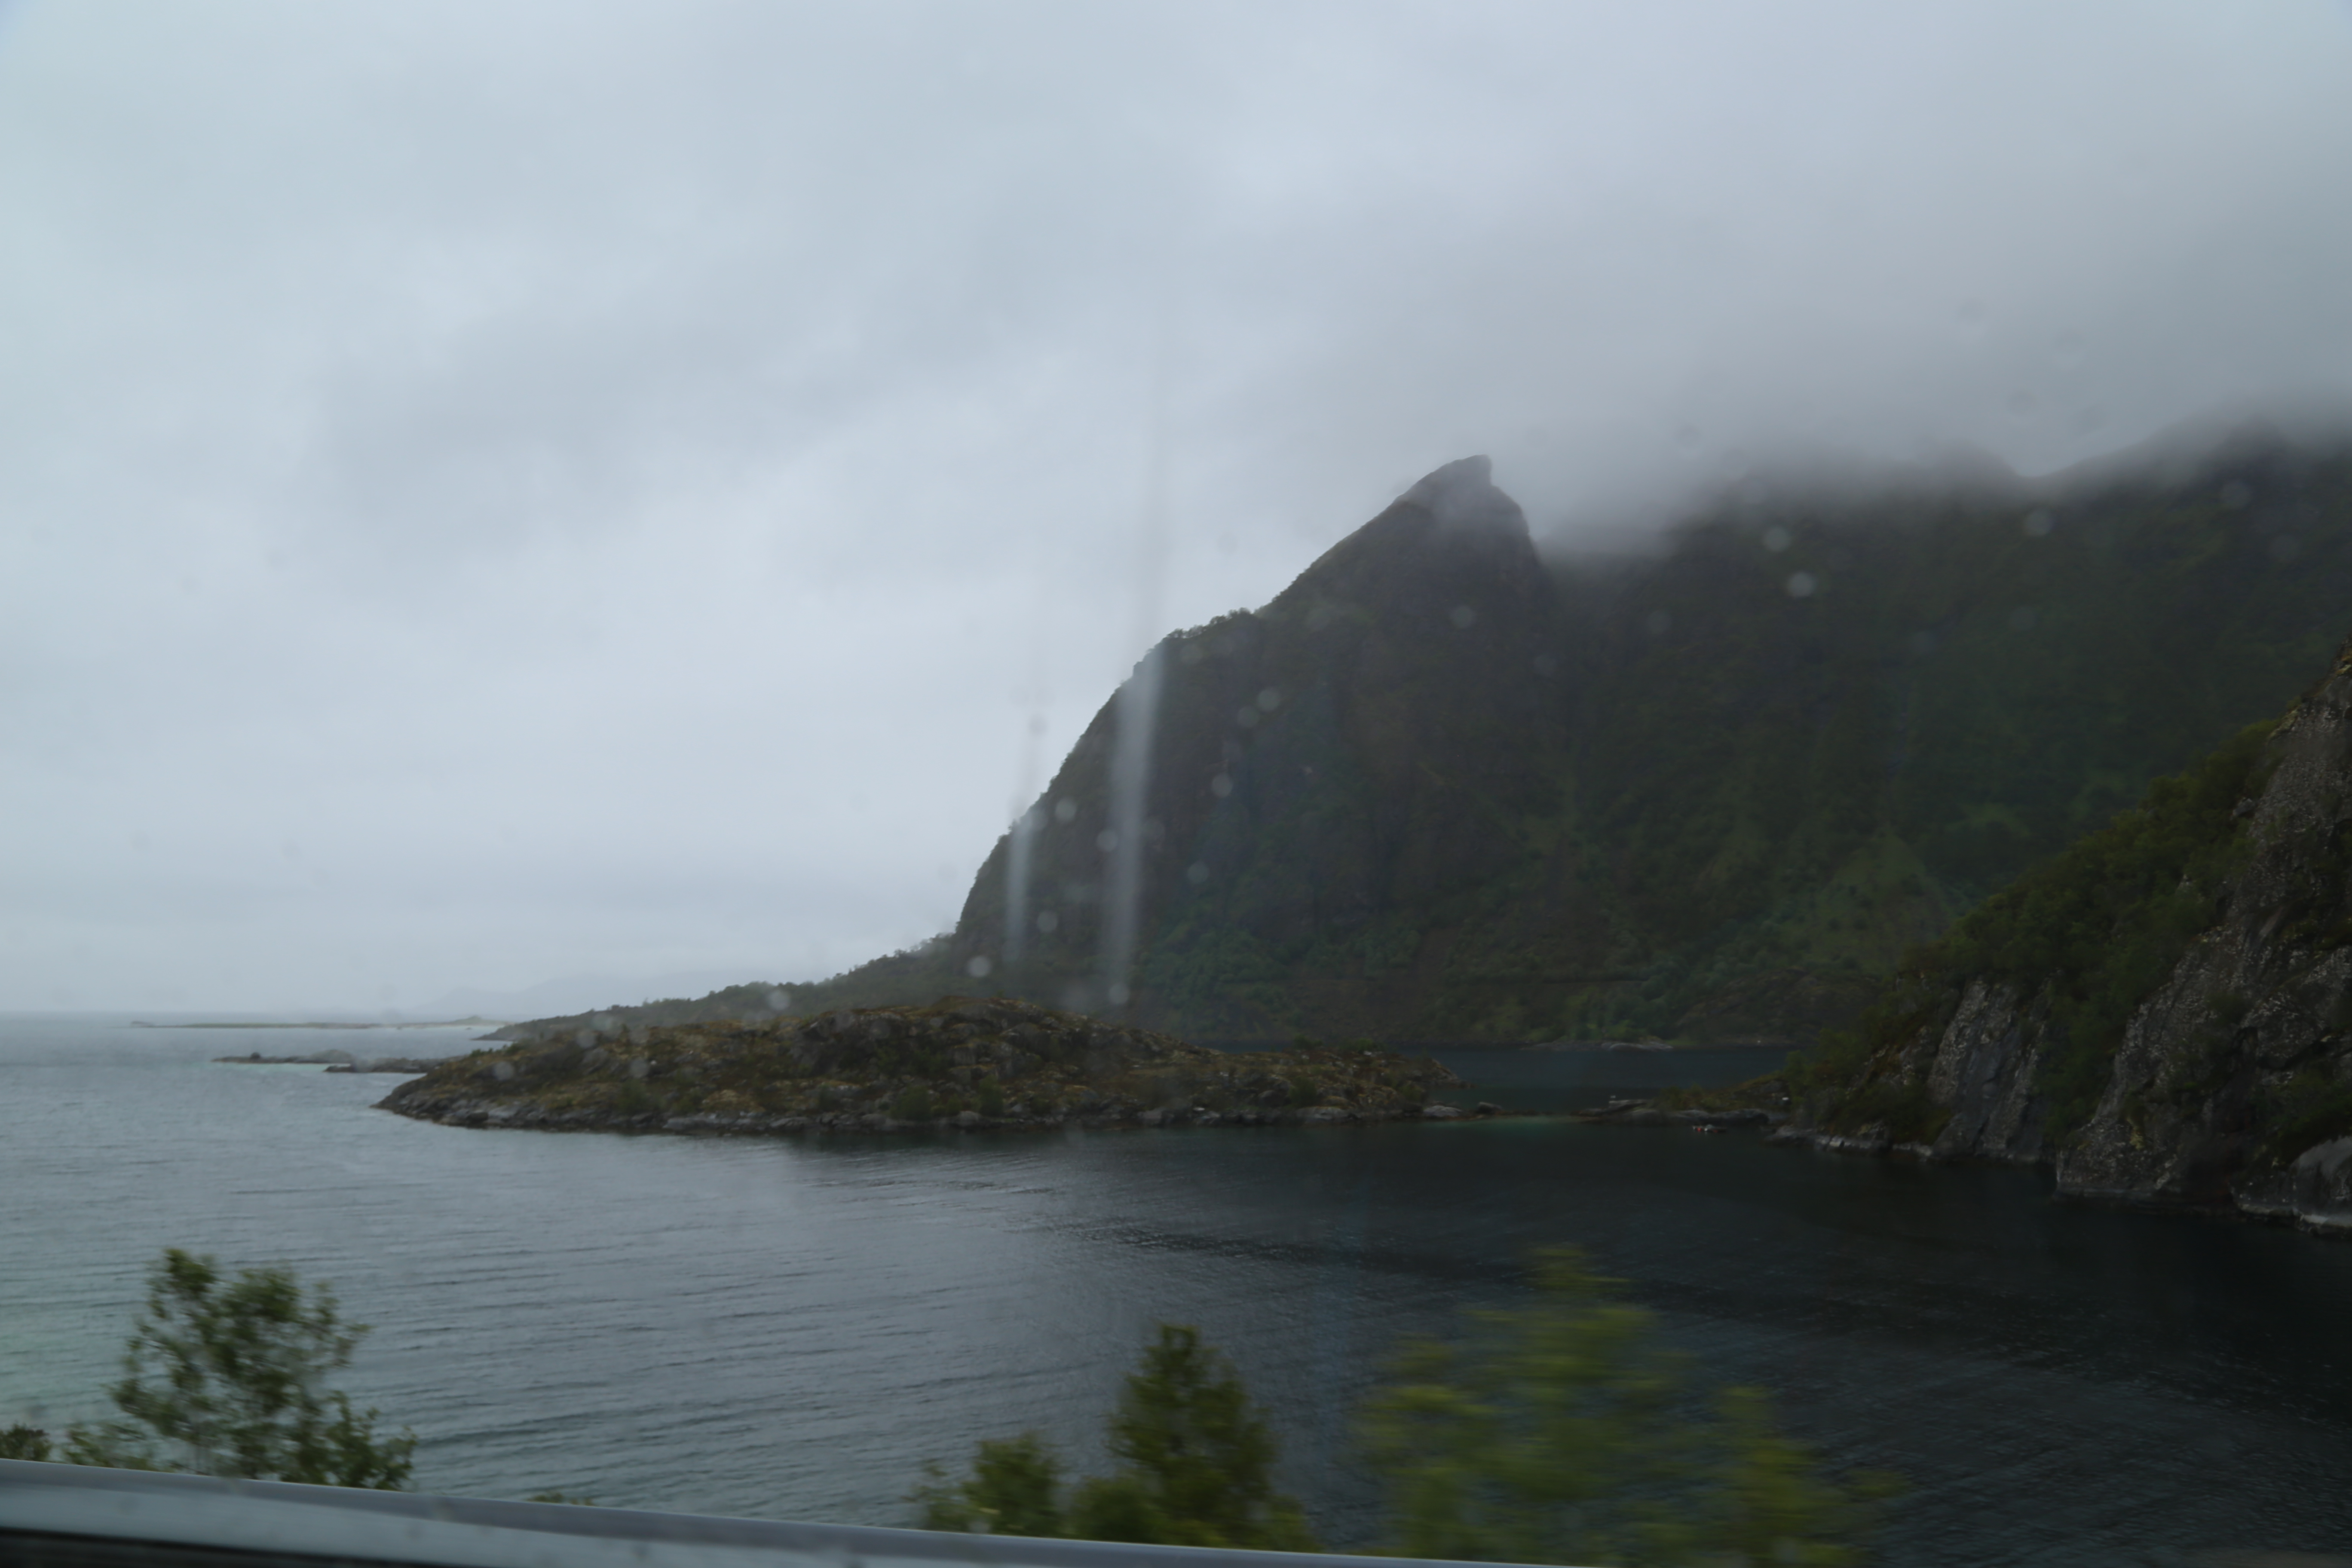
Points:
x=957, y=1064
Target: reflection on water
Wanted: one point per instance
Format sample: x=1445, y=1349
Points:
x=789, y=1328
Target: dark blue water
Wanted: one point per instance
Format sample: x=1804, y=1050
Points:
x=790, y=1329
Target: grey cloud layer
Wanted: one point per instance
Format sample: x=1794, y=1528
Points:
x=609, y=487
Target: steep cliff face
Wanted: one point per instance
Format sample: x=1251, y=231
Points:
x=2164, y=1013
x=1325, y=775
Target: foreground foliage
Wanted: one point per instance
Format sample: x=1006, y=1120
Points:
x=228, y=1377
x=1196, y=1464
x=1561, y=1433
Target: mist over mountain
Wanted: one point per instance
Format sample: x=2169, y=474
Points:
x=1444, y=787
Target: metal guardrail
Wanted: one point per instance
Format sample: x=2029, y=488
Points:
x=76, y=1516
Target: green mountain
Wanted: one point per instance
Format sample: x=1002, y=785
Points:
x=1444, y=787
x=2163, y=1011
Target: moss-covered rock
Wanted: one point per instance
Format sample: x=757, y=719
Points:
x=960, y=1062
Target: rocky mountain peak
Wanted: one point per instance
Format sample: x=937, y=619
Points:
x=1462, y=494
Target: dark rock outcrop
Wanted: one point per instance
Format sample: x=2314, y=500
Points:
x=959, y=1064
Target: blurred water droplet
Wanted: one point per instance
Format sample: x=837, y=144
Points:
x=1048, y=921
x=1923, y=642
x=1247, y=718
x=1776, y=539
x=2038, y=523
x=979, y=966
x=1318, y=617
x=1269, y=699
x=1802, y=584
x=1221, y=786
x=1658, y=623
x=1189, y=653
x=2022, y=618
x=2285, y=548
x=1196, y=873
x=1066, y=810
x=2237, y=496
x=1120, y=993
x=1107, y=840
x=1465, y=618
x=1546, y=665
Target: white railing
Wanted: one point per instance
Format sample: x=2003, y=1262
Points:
x=75, y=1516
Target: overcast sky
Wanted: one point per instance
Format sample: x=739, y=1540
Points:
x=494, y=492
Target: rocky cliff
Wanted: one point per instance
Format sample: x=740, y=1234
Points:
x=2164, y=1012
x=958, y=1064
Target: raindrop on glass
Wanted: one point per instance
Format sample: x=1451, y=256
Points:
x=1107, y=840
x=2022, y=618
x=979, y=966
x=1048, y=921
x=1802, y=584
x=1776, y=539
x=1465, y=618
x=1221, y=786
x=1196, y=873
x=2038, y=523
x=1066, y=810
x=2236, y=496
x=1269, y=699
x=1658, y=623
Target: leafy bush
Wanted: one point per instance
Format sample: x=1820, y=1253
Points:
x=228, y=1377
x=913, y=1104
x=1557, y=1433
x=23, y=1442
x=1196, y=1463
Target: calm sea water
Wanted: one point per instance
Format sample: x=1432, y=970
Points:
x=789, y=1329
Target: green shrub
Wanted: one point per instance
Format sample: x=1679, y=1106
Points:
x=913, y=1105
x=991, y=1099
x=1196, y=1463
x=23, y=1442
x=227, y=1375
x=1558, y=1433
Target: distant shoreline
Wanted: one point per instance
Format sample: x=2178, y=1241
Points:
x=441, y=1024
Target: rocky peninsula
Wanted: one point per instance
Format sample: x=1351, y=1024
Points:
x=959, y=1063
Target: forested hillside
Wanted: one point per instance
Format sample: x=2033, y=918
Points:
x=1441, y=786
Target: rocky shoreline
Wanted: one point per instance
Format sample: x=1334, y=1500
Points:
x=959, y=1065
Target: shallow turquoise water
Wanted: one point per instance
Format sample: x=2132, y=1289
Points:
x=789, y=1329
